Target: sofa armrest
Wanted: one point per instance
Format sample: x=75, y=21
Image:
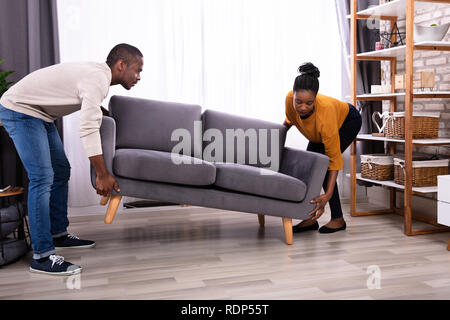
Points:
x=309, y=167
x=108, y=136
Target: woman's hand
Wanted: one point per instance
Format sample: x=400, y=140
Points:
x=318, y=211
x=323, y=199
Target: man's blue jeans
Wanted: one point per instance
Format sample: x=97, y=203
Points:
x=42, y=153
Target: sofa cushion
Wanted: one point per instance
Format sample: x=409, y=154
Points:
x=149, y=124
x=260, y=142
x=259, y=181
x=163, y=166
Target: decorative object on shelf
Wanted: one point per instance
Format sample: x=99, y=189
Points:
x=380, y=89
x=379, y=45
x=425, y=168
x=383, y=117
x=387, y=38
x=430, y=33
x=421, y=80
x=377, y=167
x=375, y=89
x=425, y=124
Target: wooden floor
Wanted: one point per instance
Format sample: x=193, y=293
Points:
x=200, y=253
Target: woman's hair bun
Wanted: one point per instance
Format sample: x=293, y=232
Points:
x=309, y=69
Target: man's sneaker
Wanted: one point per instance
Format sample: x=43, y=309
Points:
x=54, y=265
x=71, y=241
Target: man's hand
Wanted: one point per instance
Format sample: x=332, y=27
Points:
x=104, y=181
x=105, y=184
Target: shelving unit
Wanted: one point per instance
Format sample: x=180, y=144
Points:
x=392, y=11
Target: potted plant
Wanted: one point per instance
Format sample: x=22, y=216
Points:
x=433, y=32
x=4, y=85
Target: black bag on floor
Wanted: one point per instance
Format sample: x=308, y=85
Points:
x=11, y=250
x=10, y=219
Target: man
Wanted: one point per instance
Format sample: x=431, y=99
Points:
x=27, y=111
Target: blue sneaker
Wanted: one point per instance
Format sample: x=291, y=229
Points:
x=54, y=265
x=71, y=241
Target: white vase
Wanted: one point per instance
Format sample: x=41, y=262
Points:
x=435, y=33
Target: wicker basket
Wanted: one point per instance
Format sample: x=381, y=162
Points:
x=377, y=167
x=425, y=124
x=425, y=171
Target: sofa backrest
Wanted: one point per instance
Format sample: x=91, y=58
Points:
x=149, y=124
x=264, y=141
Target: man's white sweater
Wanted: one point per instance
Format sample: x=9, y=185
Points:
x=62, y=89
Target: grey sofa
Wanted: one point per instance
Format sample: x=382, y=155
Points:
x=224, y=163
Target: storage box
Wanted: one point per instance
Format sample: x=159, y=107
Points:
x=425, y=170
x=421, y=80
x=425, y=125
x=380, y=89
x=377, y=167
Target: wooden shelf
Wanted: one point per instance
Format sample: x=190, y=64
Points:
x=398, y=186
x=431, y=94
x=432, y=45
x=390, y=52
x=398, y=52
x=391, y=96
x=417, y=95
x=422, y=142
x=395, y=9
x=381, y=96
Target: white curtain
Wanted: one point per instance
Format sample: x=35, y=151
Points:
x=236, y=56
x=342, y=10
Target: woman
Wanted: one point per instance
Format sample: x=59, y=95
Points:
x=330, y=126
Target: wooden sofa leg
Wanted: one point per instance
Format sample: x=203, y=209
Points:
x=261, y=220
x=287, y=225
x=104, y=200
x=112, y=208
